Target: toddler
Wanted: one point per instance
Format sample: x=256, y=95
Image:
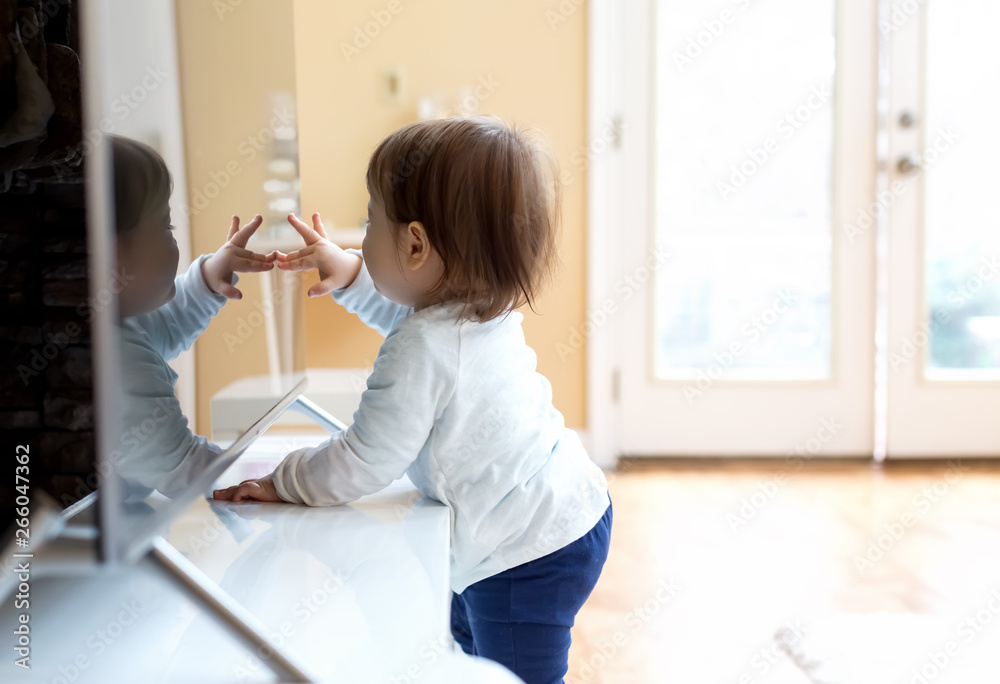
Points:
x=162, y=314
x=462, y=230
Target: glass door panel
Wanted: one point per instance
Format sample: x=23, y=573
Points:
x=743, y=189
x=962, y=217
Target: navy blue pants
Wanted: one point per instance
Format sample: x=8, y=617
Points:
x=521, y=617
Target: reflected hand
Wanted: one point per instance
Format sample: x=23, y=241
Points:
x=337, y=268
x=234, y=256
x=261, y=489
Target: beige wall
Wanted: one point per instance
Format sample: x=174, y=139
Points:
x=229, y=65
x=539, y=79
x=441, y=46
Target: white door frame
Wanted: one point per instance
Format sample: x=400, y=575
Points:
x=924, y=418
x=604, y=177
x=619, y=86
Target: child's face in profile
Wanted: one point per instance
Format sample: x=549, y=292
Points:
x=147, y=260
x=399, y=269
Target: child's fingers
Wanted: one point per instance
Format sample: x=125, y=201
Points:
x=297, y=254
x=243, y=492
x=247, y=265
x=228, y=291
x=318, y=225
x=305, y=263
x=307, y=233
x=251, y=491
x=224, y=494
x=244, y=233
x=247, y=254
x=321, y=288
x=234, y=227
x=234, y=492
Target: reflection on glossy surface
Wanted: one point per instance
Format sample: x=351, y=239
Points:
x=180, y=475
x=155, y=461
x=357, y=593
x=360, y=588
x=162, y=315
x=336, y=584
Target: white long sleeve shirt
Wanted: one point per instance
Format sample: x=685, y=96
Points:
x=157, y=449
x=460, y=409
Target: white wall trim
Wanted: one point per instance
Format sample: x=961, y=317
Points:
x=603, y=202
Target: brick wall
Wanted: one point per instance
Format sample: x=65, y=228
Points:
x=46, y=375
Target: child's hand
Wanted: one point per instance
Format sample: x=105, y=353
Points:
x=262, y=489
x=337, y=268
x=218, y=269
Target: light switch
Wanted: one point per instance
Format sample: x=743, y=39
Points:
x=392, y=86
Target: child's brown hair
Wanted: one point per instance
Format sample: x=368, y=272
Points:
x=488, y=197
x=141, y=180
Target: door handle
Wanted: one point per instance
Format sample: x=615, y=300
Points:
x=908, y=165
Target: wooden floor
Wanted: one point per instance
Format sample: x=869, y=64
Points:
x=693, y=592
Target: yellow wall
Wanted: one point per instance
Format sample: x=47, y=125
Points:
x=229, y=64
x=441, y=46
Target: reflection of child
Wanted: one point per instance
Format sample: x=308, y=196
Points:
x=462, y=219
x=161, y=316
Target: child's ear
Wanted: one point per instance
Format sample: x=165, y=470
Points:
x=418, y=247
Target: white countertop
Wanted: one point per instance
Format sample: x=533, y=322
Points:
x=355, y=593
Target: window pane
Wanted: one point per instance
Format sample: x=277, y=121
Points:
x=744, y=152
x=962, y=229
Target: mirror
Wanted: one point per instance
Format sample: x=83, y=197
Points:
x=199, y=116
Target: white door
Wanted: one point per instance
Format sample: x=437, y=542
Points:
x=746, y=308
x=943, y=343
